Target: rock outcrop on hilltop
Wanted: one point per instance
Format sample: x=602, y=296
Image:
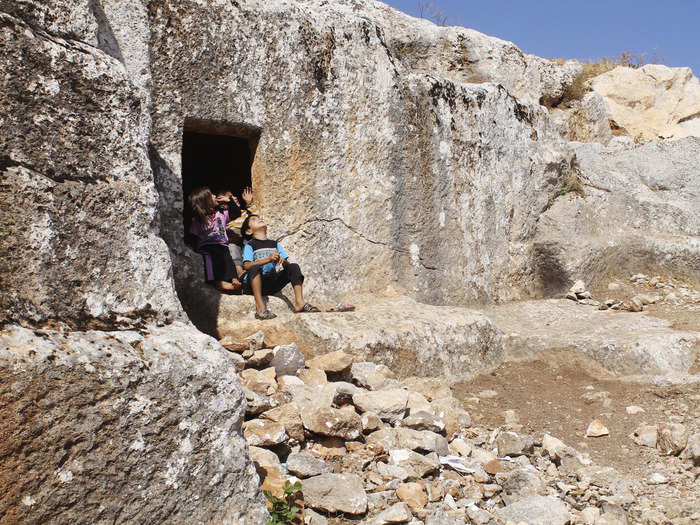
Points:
x=392, y=158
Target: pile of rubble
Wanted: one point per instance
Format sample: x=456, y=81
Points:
x=661, y=290
x=371, y=449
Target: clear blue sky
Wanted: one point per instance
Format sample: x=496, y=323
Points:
x=583, y=29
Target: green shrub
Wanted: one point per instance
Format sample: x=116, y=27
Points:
x=283, y=510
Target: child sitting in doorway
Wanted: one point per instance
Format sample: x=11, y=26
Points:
x=209, y=227
x=238, y=214
x=260, y=259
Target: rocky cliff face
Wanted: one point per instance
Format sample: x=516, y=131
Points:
x=391, y=156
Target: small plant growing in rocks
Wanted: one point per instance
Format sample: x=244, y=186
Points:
x=283, y=510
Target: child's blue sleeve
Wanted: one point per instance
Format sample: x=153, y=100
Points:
x=247, y=253
x=281, y=251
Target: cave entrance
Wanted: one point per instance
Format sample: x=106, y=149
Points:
x=218, y=155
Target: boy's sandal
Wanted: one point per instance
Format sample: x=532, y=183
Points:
x=347, y=307
x=308, y=308
x=265, y=314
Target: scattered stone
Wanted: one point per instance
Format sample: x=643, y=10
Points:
x=381, y=500
x=390, y=472
x=417, y=465
x=494, y=467
x=613, y=287
x=635, y=304
x=413, y=494
x=450, y=410
x=488, y=394
x=596, y=429
x=397, y=513
x=370, y=422
x=389, y=405
x=634, y=409
x=422, y=420
x=257, y=403
x=510, y=417
x=263, y=433
x=552, y=446
x=333, y=362
x=328, y=447
x=305, y=465
x=232, y=345
x=265, y=461
x=512, y=444
x=343, y=392
x=477, y=515
x=312, y=376
x=417, y=402
x=657, y=479
x=370, y=375
x=335, y=493
x=287, y=359
x=673, y=437
x=536, y=510
x=441, y=517
x=288, y=416
x=338, y=422
x=391, y=438
x=590, y=515
x=259, y=381
x=459, y=447
x=312, y=517
x=646, y=435
x=578, y=287
x=283, y=382
x=260, y=358
x=520, y=483
x=692, y=449
x=256, y=341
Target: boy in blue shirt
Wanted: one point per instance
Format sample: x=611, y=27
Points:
x=261, y=256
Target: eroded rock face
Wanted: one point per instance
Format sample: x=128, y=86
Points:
x=651, y=102
x=122, y=426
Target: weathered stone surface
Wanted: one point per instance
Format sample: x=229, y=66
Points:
x=673, y=437
x=692, y=450
x=514, y=444
x=422, y=420
x=312, y=376
x=638, y=215
x=397, y=513
x=370, y=375
x=333, y=362
x=287, y=359
x=389, y=405
x=263, y=432
x=98, y=411
x=305, y=465
x=651, y=102
x=393, y=438
x=536, y=510
x=259, y=381
x=339, y=422
x=288, y=416
x=646, y=435
x=413, y=495
x=417, y=465
x=452, y=413
x=520, y=483
x=335, y=493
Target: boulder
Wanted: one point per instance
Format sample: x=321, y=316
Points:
x=514, y=444
x=335, y=493
x=333, y=362
x=159, y=408
x=651, y=102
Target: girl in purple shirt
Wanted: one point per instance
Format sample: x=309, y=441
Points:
x=209, y=226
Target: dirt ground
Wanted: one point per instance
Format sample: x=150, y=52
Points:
x=562, y=399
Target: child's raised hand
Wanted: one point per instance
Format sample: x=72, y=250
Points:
x=275, y=257
x=247, y=196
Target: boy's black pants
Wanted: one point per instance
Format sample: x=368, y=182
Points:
x=273, y=282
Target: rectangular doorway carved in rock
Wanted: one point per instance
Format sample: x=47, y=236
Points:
x=218, y=155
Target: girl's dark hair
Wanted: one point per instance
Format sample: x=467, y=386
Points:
x=244, y=227
x=201, y=203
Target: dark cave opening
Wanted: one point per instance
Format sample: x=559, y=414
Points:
x=218, y=156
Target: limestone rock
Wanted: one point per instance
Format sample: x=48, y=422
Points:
x=389, y=405
x=397, y=513
x=692, y=450
x=596, y=429
x=314, y=518
x=417, y=465
x=339, y=422
x=257, y=403
x=287, y=359
x=259, y=381
x=260, y=358
x=520, y=483
x=256, y=341
x=513, y=444
x=536, y=510
x=673, y=437
x=288, y=416
x=421, y=440
x=155, y=417
x=370, y=422
x=651, y=102
x=335, y=493
x=449, y=410
x=232, y=344
x=370, y=375
x=305, y=465
x=413, y=495
x=263, y=433
x=332, y=362
x=312, y=376
x=646, y=435
x=422, y=420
